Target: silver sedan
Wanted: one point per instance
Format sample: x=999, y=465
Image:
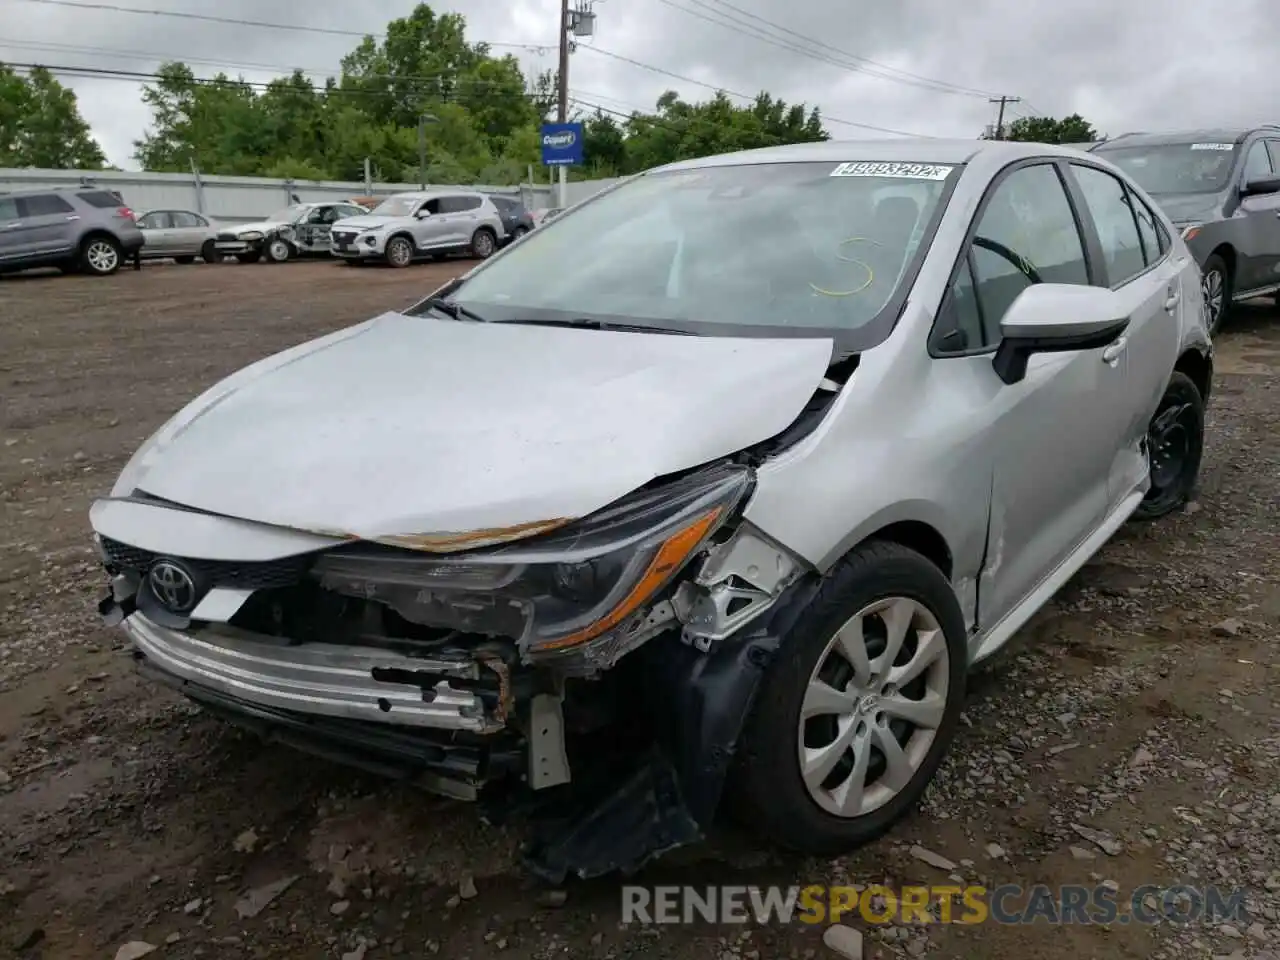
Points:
x=178, y=234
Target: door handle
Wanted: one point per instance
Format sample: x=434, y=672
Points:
x=73, y=216
x=1175, y=295
x=1111, y=355
x=10, y=226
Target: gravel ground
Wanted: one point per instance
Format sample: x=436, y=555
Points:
x=1131, y=738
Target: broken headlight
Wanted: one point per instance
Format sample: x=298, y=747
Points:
x=561, y=590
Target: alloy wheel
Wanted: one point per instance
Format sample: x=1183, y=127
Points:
x=102, y=256
x=873, y=706
x=398, y=253
x=1213, y=286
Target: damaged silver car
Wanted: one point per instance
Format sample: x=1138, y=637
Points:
x=706, y=494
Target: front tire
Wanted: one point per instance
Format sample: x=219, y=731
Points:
x=100, y=256
x=1217, y=287
x=1175, y=447
x=278, y=250
x=483, y=244
x=399, y=252
x=209, y=253
x=856, y=713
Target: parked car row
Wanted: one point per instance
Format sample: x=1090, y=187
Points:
x=1221, y=189
x=95, y=231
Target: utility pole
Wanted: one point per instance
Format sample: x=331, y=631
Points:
x=1003, y=101
x=423, y=120
x=562, y=107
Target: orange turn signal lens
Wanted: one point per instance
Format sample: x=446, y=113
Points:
x=675, y=550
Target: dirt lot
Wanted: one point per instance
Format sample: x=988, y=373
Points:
x=1141, y=703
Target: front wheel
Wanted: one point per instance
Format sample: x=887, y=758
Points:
x=858, y=709
x=1215, y=284
x=278, y=250
x=399, y=252
x=1175, y=445
x=209, y=253
x=483, y=244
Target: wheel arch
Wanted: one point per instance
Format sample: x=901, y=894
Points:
x=1198, y=366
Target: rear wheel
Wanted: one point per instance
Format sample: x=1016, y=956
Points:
x=859, y=707
x=100, y=256
x=1215, y=283
x=1175, y=445
x=209, y=253
x=519, y=232
x=399, y=252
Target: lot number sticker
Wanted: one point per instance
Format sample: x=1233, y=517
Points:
x=902, y=171
x=1213, y=146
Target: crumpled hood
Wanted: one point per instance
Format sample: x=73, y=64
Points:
x=1189, y=207
x=415, y=426
x=364, y=223
x=262, y=226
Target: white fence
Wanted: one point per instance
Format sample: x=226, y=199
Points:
x=249, y=198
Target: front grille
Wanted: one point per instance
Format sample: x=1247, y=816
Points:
x=257, y=575
x=227, y=237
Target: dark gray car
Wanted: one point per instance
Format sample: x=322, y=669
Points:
x=1221, y=188
x=515, y=218
x=85, y=229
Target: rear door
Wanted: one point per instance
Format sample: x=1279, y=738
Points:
x=459, y=216
x=188, y=232
x=10, y=230
x=49, y=224
x=1137, y=265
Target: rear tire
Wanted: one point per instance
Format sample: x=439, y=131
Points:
x=878, y=587
x=209, y=253
x=1175, y=447
x=1217, y=286
x=100, y=256
x=399, y=252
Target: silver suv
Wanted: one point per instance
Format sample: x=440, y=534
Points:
x=407, y=226
x=85, y=229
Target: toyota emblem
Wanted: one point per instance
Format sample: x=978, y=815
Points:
x=173, y=586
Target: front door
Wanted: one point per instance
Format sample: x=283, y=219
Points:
x=155, y=226
x=1042, y=507
x=1258, y=263
x=49, y=224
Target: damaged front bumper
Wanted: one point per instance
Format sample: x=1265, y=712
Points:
x=619, y=743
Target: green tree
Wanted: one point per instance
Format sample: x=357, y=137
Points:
x=1072, y=129
x=41, y=126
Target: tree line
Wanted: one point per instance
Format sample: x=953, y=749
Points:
x=483, y=127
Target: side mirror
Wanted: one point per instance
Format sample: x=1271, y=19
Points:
x=422, y=214
x=1055, y=318
x=1261, y=186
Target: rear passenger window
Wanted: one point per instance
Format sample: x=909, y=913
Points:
x=44, y=205
x=1152, y=247
x=1025, y=234
x=8, y=209
x=1108, y=203
x=101, y=199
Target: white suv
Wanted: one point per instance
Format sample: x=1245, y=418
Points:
x=408, y=226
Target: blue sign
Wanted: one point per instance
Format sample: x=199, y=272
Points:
x=561, y=144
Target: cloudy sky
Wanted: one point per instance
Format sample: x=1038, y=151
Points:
x=917, y=66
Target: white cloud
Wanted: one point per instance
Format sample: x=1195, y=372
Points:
x=1148, y=64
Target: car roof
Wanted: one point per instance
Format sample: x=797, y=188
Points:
x=1201, y=135
x=42, y=191
x=432, y=194
x=904, y=150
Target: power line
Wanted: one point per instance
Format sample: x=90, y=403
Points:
x=740, y=96
x=841, y=59
x=209, y=18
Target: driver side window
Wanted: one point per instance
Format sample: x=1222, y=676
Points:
x=1257, y=165
x=1026, y=233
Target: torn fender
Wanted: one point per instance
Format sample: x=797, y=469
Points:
x=421, y=431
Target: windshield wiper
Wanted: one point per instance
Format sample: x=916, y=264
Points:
x=454, y=310
x=592, y=324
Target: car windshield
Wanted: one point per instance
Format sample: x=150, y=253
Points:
x=815, y=248
x=395, y=207
x=1172, y=168
x=288, y=214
